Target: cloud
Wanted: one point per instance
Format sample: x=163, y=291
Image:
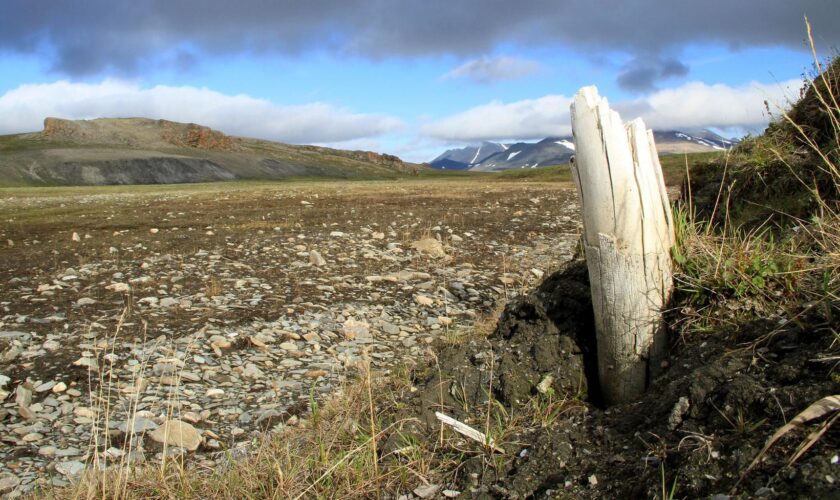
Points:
x=528, y=119
x=643, y=74
x=486, y=70
x=25, y=107
x=83, y=38
x=700, y=105
x=689, y=106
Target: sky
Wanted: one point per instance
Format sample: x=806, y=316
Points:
x=410, y=78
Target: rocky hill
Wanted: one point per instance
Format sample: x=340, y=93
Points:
x=145, y=151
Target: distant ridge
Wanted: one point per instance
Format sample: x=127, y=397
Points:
x=146, y=151
x=558, y=150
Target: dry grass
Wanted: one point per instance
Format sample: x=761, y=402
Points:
x=333, y=453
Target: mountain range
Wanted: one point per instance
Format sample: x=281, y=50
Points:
x=146, y=151
x=494, y=156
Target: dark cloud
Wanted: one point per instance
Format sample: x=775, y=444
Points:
x=642, y=75
x=96, y=35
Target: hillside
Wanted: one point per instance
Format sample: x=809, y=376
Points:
x=144, y=151
x=493, y=157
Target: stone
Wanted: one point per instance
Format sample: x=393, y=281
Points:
x=215, y=393
x=59, y=387
x=427, y=490
x=252, y=371
x=356, y=330
x=119, y=287
x=390, y=329
x=23, y=396
x=430, y=247
x=164, y=369
x=169, y=302
x=89, y=363
x=423, y=300
x=71, y=469
x=15, y=335
x=139, y=426
x=85, y=301
x=288, y=346
x=175, y=432
x=677, y=412
x=316, y=259
x=46, y=386
x=545, y=384
x=8, y=482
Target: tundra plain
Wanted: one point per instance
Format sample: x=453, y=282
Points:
x=227, y=309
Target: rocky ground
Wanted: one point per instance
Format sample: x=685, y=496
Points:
x=203, y=317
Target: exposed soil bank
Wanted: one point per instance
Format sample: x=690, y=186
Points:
x=696, y=430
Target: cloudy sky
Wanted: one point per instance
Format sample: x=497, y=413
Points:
x=404, y=77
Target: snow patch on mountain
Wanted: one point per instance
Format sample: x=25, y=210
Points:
x=566, y=143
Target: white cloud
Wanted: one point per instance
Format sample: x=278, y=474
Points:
x=692, y=105
x=25, y=107
x=528, y=119
x=698, y=105
x=489, y=70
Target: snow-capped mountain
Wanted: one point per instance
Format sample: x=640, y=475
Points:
x=550, y=151
x=699, y=141
x=464, y=158
x=493, y=156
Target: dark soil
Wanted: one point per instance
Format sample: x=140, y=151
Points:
x=692, y=435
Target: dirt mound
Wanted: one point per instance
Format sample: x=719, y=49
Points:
x=772, y=176
x=813, y=112
x=539, y=337
x=695, y=430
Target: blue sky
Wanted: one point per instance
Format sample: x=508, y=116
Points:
x=411, y=82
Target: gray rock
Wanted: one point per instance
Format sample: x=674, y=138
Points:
x=71, y=469
x=139, y=426
x=8, y=482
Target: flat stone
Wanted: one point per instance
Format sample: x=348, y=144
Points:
x=90, y=363
x=177, y=433
x=15, y=335
x=46, y=386
x=354, y=330
x=71, y=469
x=169, y=302
x=140, y=425
x=215, y=393
x=430, y=247
x=8, y=482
